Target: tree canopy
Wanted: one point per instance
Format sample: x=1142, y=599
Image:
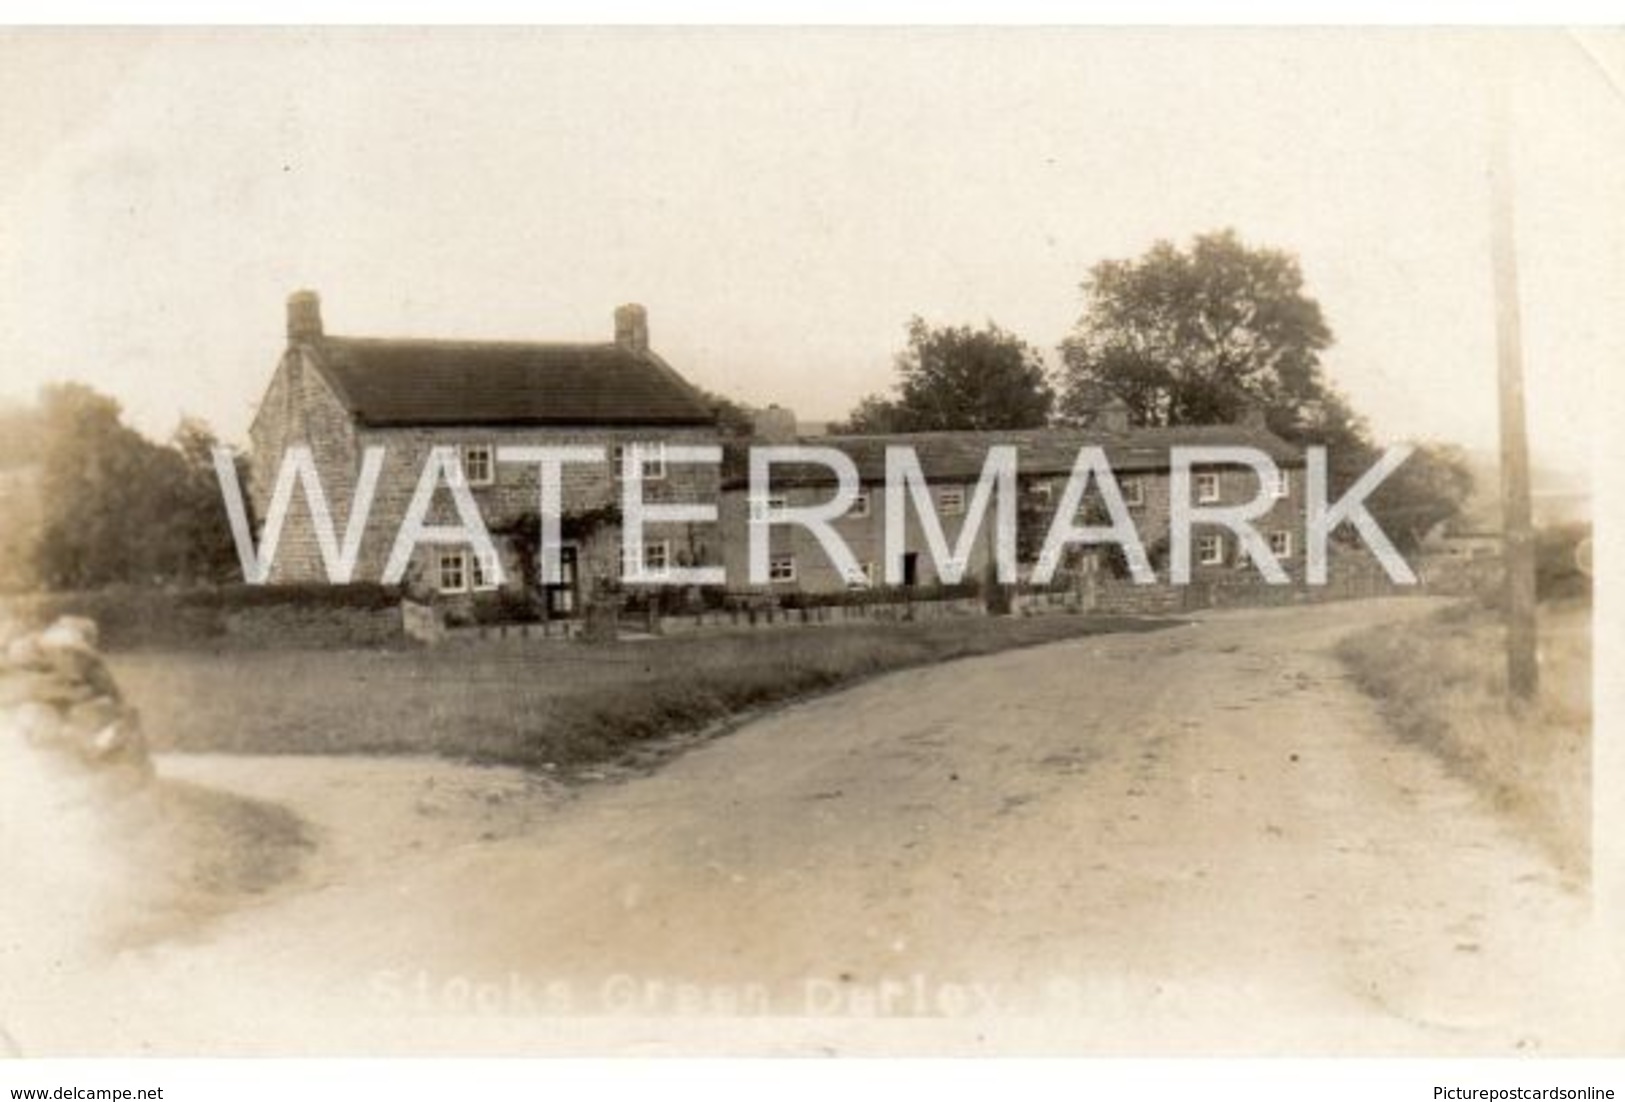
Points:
x=1196, y=336
x=956, y=377
x=112, y=506
x=1200, y=335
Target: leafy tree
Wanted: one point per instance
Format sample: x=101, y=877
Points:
x=116, y=507
x=1429, y=487
x=1198, y=336
x=200, y=544
x=956, y=377
x=733, y=419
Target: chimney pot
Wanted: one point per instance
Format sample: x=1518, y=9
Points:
x=632, y=327
x=304, y=315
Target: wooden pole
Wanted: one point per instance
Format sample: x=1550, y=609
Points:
x=1523, y=672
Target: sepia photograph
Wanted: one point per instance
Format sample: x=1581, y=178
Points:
x=808, y=541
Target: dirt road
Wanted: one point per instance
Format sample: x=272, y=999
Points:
x=1201, y=839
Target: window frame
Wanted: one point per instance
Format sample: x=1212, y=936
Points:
x=862, y=505
x=489, y=451
x=458, y=560
x=1204, y=479
x=654, y=459
x=481, y=579
x=1216, y=542
x=1133, y=488
x=766, y=506
x=650, y=546
x=1283, y=484
x=947, y=493
x=773, y=575
x=1285, y=536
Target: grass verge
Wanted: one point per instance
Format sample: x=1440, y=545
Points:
x=535, y=703
x=1443, y=686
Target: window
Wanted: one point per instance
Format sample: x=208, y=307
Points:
x=1283, y=484
x=1210, y=550
x=951, y=501
x=871, y=574
x=860, y=505
x=656, y=558
x=479, y=464
x=1044, y=491
x=1133, y=492
x=452, y=570
x=482, y=570
x=764, y=508
x=654, y=460
x=781, y=568
x=1207, y=487
x=1281, y=544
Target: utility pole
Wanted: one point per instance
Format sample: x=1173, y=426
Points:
x=1523, y=672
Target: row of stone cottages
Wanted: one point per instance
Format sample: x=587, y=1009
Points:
x=339, y=395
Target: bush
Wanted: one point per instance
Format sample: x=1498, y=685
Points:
x=139, y=616
x=505, y=606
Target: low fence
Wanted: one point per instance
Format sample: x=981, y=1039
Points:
x=887, y=612
x=1097, y=594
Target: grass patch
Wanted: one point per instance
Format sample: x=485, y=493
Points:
x=534, y=703
x=1442, y=684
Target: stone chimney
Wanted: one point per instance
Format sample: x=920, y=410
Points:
x=304, y=316
x=774, y=425
x=632, y=327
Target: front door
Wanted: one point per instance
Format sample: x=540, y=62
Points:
x=561, y=596
x=911, y=568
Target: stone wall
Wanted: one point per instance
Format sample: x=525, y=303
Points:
x=58, y=699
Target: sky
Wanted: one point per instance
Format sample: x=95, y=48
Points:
x=783, y=201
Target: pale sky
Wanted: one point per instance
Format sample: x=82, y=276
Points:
x=782, y=201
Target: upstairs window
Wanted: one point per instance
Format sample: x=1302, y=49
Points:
x=654, y=461
x=1207, y=487
x=766, y=508
x=1281, y=544
x=1133, y=492
x=860, y=505
x=477, y=464
x=1283, y=484
x=1210, y=550
x=951, y=501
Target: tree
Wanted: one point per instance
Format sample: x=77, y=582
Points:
x=1429, y=487
x=956, y=377
x=1198, y=336
x=734, y=421
x=201, y=548
x=115, y=507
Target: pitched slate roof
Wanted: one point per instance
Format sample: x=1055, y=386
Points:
x=958, y=456
x=386, y=382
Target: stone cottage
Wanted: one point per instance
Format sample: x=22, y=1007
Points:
x=339, y=395
x=952, y=463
